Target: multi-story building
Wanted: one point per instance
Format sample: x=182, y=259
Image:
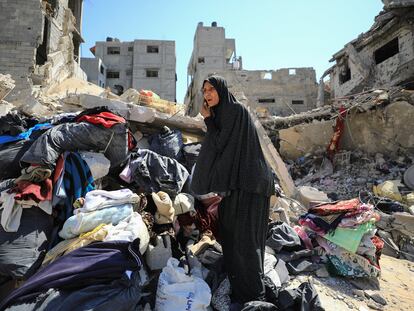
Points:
x=278, y=92
x=138, y=64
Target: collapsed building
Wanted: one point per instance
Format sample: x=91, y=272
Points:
x=363, y=141
x=39, y=45
x=277, y=92
x=381, y=57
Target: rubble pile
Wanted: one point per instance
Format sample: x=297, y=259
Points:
x=353, y=172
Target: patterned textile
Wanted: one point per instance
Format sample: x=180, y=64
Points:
x=335, y=207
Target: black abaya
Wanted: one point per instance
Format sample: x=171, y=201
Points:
x=231, y=161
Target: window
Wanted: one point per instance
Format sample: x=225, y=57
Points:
x=130, y=49
x=112, y=50
x=152, y=48
x=102, y=70
x=112, y=74
x=344, y=75
x=201, y=60
x=266, y=100
x=152, y=73
x=267, y=76
x=386, y=51
x=297, y=102
x=129, y=72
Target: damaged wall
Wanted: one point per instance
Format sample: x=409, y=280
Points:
x=278, y=92
x=387, y=130
x=37, y=44
x=382, y=57
x=20, y=34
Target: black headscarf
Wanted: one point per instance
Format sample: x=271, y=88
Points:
x=231, y=156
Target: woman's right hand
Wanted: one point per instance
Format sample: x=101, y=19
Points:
x=205, y=110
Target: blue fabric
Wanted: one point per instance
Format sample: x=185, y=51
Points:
x=25, y=135
x=167, y=144
x=76, y=182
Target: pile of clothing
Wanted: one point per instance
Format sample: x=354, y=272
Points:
x=95, y=218
x=346, y=231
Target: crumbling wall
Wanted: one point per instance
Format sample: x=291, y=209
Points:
x=60, y=63
x=21, y=32
x=282, y=92
x=365, y=73
x=28, y=26
x=388, y=130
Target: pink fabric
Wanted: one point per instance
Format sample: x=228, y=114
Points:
x=303, y=236
x=26, y=191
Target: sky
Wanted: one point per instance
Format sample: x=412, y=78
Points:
x=269, y=34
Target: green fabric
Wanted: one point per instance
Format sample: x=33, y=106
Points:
x=349, y=238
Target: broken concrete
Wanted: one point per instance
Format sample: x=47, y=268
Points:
x=374, y=124
x=39, y=45
x=381, y=57
x=6, y=85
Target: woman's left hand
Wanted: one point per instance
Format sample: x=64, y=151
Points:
x=205, y=110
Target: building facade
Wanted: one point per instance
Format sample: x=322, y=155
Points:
x=379, y=58
x=39, y=43
x=138, y=64
x=277, y=92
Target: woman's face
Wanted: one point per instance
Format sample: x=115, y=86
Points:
x=210, y=94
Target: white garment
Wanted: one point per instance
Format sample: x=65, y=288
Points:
x=99, y=199
x=129, y=229
x=12, y=210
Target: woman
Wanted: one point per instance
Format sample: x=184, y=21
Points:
x=231, y=164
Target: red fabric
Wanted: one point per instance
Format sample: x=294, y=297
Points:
x=207, y=216
x=335, y=208
x=336, y=138
x=26, y=190
x=60, y=165
x=132, y=143
x=106, y=119
x=186, y=219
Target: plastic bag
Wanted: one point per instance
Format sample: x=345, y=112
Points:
x=97, y=162
x=178, y=291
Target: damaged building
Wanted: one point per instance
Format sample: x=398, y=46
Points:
x=379, y=58
x=39, y=43
x=277, y=92
x=138, y=64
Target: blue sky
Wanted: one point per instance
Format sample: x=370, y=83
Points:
x=270, y=34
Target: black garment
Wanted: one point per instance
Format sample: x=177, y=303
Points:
x=303, y=298
x=97, y=263
x=15, y=123
x=243, y=224
x=122, y=295
x=281, y=235
x=78, y=137
x=259, y=306
x=22, y=252
x=10, y=155
x=231, y=156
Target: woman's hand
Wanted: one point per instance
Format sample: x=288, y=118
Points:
x=205, y=110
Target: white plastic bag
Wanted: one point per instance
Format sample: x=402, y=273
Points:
x=129, y=229
x=178, y=292
x=97, y=162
